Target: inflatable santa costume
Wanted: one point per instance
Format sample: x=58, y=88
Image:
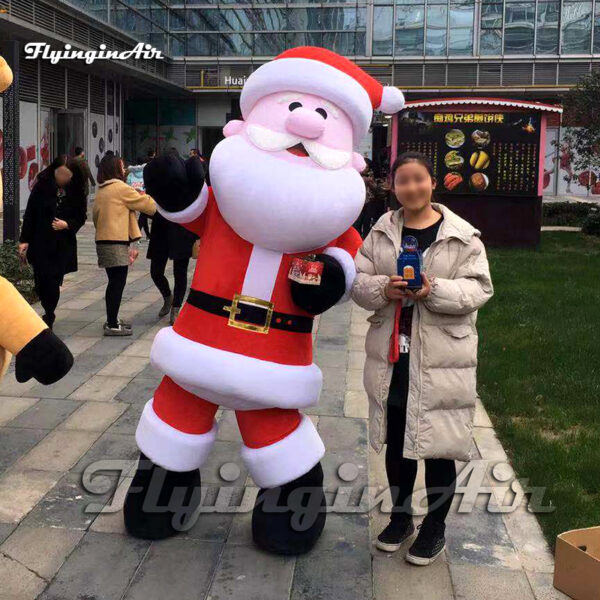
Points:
x=285, y=184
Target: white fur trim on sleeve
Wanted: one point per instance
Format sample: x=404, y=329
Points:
x=170, y=448
x=287, y=459
x=347, y=263
x=191, y=213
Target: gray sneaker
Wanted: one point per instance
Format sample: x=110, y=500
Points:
x=166, y=307
x=120, y=330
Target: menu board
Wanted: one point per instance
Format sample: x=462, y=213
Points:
x=476, y=152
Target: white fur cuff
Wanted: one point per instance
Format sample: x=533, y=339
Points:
x=286, y=459
x=347, y=263
x=189, y=214
x=169, y=448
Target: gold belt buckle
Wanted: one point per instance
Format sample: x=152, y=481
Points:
x=233, y=311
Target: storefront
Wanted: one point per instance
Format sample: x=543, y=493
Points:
x=489, y=158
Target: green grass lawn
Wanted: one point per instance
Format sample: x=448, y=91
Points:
x=539, y=371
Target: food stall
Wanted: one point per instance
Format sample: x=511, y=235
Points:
x=488, y=156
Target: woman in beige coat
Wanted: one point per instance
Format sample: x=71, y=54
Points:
x=117, y=234
x=420, y=370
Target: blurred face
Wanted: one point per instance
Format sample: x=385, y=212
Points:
x=413, y=185
x=63, y=176
x=122, y=168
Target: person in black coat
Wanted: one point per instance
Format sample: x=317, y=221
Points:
x=56, y=210
x=169, y=240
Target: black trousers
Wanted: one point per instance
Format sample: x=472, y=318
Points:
x=117, y=278
x=440, y=473
x=157, y=272
x=47, y=287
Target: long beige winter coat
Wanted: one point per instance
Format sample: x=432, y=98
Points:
x=443, y=356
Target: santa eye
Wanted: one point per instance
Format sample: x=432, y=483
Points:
x=294, y=106
x=322, y=112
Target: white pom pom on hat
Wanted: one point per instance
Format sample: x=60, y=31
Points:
x=324, y=73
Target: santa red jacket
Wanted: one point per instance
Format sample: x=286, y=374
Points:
x=240, y=341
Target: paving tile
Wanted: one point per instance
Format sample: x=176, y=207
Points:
x=474, y=582
x=330, y=403
x=95, y=416
x=124, y=366
x=128, y=421
x=45, y=414
x=41, y=549
x=342, y=433
x=15, y=443
x=356, y=404
x=12, y=407
x=223, y=453
x=543, y=588
x=138, y=348
x=69, y=504
x=110, y=518
x=394, y=578
x=248, y=573
x=314, y=578
x=88, y=363
x=59, y=450
x=61, y=389
x=175, y=568
x=109, y=447
x=5, y=530
x=228, y=427
x=18, y=582
x=20, y=491
x=11, y=388
x=139, y=390
x=100, y=388
x=115, y=559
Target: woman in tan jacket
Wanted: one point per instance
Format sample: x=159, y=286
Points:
x=117, y=234
x=420, y=370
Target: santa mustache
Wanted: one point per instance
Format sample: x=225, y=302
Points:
x=273, y=141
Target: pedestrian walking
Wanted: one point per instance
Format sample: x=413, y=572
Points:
x=55, y=212
x=117, y=235
x=420, y=369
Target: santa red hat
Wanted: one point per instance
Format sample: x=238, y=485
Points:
x=324, y=73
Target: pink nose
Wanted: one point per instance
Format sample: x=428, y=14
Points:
x=305, y=123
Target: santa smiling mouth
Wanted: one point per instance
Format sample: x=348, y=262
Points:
x=298, y=150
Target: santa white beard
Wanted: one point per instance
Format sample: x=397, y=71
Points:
x=279, y=205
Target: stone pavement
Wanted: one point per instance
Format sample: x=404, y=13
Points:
x=55, y=544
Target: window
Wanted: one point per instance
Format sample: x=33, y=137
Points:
x=519, y=28
x=383, y=29
x=490, y=40
x=409, y=29
x=547, y=27
x=576, y=27
x=462, y=18
x=436, y=40
x=597, y=28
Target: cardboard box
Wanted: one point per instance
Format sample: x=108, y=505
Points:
x=577, y=563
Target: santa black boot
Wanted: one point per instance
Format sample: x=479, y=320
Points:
x=160, y=503
x=290, y=518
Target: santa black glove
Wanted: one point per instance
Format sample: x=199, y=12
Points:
x=316, y=299
x=45, y=358
x=172, y=182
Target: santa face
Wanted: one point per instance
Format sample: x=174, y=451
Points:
x=286, y=178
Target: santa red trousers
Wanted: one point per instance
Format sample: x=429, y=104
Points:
x=178, y=429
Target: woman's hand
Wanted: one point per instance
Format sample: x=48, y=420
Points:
x=23, y=247
x=423, y=292
x=59, y=225
x=133, y=254
x=395, y=288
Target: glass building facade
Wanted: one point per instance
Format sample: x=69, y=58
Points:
x=375, y=28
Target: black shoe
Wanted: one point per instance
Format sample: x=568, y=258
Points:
x=280, y=528
x=159, y=503
x=49, y=320
x=430, y=543
x=399, y=529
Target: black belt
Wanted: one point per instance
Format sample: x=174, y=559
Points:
x=251, y=314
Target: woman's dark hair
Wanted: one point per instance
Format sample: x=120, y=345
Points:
x=47, y=174
x=407, y=157
x=77, y=184
x=110, y=168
